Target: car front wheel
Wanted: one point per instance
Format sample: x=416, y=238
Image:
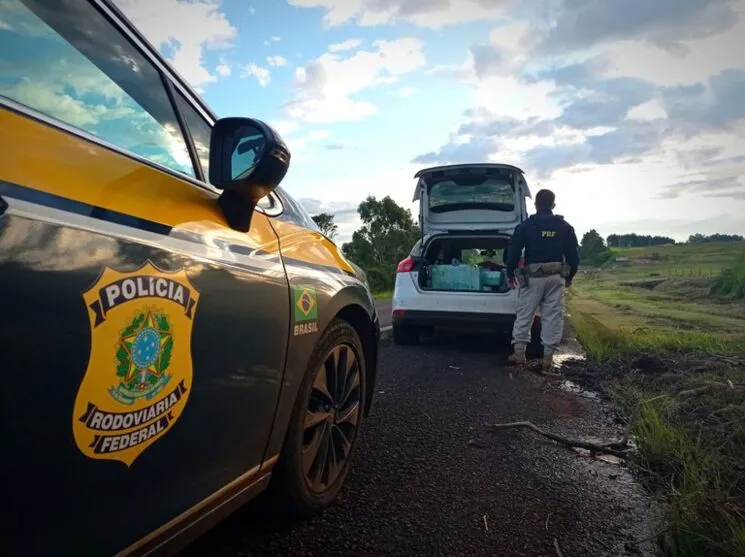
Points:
x=325, y=423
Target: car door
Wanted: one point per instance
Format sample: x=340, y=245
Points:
x=143, y=340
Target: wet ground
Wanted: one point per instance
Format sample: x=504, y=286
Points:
x=428, y=480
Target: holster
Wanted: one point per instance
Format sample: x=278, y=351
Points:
x=521, y=273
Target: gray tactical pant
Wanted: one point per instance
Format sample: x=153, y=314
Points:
x=546, y=293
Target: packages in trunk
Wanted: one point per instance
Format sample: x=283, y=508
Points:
x=456, y=277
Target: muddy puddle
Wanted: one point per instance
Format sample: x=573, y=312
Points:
x=582, y=414
x=572, y=387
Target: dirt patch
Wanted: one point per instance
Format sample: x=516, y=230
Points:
x=563, y=405
x=649, y=284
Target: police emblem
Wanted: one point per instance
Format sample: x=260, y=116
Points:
x=139, y=371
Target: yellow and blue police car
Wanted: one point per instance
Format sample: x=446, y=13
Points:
x=176, y=333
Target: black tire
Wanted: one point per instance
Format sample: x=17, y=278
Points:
x=294, y=490
x=405, y=336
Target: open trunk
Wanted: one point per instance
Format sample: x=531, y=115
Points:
x=464, y=263
x=485, y=197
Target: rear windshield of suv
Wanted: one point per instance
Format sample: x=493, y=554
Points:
x=496, y=194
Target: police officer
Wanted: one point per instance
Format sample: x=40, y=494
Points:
x=551, y=261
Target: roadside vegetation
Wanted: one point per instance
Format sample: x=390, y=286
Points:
x=664, y=330
x=387, y=234
x=384, y=295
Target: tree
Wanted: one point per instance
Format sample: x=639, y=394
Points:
x=593, y=250
x=325, y=221
x=386, y=237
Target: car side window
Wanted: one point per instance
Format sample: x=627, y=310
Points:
x=199, y=130
x=64, y=59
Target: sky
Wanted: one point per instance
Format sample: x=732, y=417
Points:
x=632, y=112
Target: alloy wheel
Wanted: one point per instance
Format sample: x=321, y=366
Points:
x=332, y=417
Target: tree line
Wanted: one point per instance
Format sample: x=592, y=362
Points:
x=645, y=240
x=388, y=233
x=637, y=240
x=704, y=239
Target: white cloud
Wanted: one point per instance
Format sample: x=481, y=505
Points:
x=192, y=26
x=276, y=61
x=276, y=39
x=404, y=92
x=433, y=14
x=349, y=44
x=706, y=56
x=506, y=53
x=325, y=86
x=311, y=137
x=285, y=127
x=318, y=134
x=612, y=197
x=618, y=138
x=262, y=75
x=329, y=110
x=650, y=110
x=508, y=96
x=251, y=10
x=223, y=69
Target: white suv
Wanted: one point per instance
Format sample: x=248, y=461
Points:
x=454, y=277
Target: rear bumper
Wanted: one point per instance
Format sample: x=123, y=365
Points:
x=454, y=320
x=457, y=320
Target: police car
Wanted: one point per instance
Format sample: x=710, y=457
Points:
x=176, y=333
x=454, y=277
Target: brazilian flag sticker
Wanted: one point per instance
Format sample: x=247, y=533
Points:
x=306, y=304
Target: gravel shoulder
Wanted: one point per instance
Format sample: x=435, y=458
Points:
x=427, y=480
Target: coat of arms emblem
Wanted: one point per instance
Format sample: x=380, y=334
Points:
x=139, y=371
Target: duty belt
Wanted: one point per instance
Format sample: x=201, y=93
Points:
x=546, y=269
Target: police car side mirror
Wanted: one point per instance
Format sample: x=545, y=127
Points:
x=248, y=160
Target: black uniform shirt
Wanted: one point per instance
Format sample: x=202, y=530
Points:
x=546, y=238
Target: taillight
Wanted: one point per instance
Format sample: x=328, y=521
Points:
x=405, y=266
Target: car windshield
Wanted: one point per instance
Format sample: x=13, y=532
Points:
x=495, y=194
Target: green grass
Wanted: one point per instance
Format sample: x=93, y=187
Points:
x=731, y=281
x=684, y=304
x=379, y=296
x=690, y=450
x=657, y=302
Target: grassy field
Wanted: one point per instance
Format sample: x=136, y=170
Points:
x=665, y=332
x=379, y=296
x=660, y=299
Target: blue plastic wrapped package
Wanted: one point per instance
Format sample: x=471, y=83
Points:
x=491, y=278
x=459, y=277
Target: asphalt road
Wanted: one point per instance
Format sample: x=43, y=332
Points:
x=428, y=480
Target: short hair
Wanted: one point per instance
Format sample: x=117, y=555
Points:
x=545, y=199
